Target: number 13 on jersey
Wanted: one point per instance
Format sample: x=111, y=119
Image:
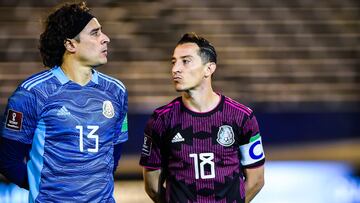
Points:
x=91, y=135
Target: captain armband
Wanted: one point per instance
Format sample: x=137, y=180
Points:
x=253, y=151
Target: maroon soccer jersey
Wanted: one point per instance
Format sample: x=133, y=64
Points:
x=200, y=153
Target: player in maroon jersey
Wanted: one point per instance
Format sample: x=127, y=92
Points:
x=203, y=145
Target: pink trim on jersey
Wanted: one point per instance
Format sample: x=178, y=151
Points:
x=239, y=106
x=237, y=103
x=163, y=111
x=152, y=168
x=206, y=111
x=166, y=108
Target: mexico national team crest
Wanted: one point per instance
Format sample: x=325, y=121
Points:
x=108, y=109
x=225, y=136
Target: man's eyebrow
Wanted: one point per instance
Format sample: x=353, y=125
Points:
x=186, y=56
x=95, y=29
x=182, y=57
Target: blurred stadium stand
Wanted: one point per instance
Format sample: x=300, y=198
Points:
x=296, y=63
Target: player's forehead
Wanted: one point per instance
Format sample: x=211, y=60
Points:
x=187, y=49
x=93, y=24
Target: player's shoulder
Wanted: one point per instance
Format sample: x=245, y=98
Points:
x=168, y=108
x=237, y=106
x=37, y=80
x=110, y=82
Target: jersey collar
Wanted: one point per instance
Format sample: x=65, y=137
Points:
x=219, y=107
x=60, y=75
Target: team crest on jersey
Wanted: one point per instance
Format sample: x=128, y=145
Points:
x=225, y=136
x=108, y=109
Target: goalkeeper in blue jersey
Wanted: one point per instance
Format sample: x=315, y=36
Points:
x=63, y=128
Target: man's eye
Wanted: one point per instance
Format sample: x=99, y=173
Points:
x=95, y=33
x=186, y=61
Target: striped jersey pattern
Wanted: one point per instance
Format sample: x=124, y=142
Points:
x=199, y=152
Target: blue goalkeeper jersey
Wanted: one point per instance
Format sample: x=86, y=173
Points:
x=72, y=130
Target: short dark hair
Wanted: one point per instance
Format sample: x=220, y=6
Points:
x=206, y=52
x=64, y=23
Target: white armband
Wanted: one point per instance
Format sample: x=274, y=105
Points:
x=252, y=152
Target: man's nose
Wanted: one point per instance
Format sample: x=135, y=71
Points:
x=176, y=67
x=106, y=39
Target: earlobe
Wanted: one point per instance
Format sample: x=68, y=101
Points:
x=69, y=45
x=210, y=69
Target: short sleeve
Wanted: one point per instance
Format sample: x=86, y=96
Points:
x=122, y=123
x=20, y=117
x=151, y=148
x=251, y=149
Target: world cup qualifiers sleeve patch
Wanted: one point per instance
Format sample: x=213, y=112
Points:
x=14, y=120
x=146, y=148
x=252, y=152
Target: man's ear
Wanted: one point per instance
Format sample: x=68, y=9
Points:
x=210, y=69
x=69, y=45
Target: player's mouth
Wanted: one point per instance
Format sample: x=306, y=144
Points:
x=104, y=52
x=177, y=78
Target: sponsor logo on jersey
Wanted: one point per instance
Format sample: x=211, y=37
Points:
x=225, y=136
x=14, y=120
x=63, y=111
x=146, y=148
x=177, y=138
x=108, y=109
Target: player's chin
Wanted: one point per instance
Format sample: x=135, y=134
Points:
x=95, y=65
x=180, y=88
x=102, y=61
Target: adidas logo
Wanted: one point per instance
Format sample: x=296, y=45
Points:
x=177, y=138
x=63, y=112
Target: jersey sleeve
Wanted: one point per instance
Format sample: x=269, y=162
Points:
x=251, y=149
x=151, y=148
x=20, y=117
x=122, y=124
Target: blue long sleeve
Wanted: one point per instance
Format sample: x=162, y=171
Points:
x=117, y=155
x=12, y=161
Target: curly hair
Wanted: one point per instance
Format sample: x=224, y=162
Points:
x=60, y=25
